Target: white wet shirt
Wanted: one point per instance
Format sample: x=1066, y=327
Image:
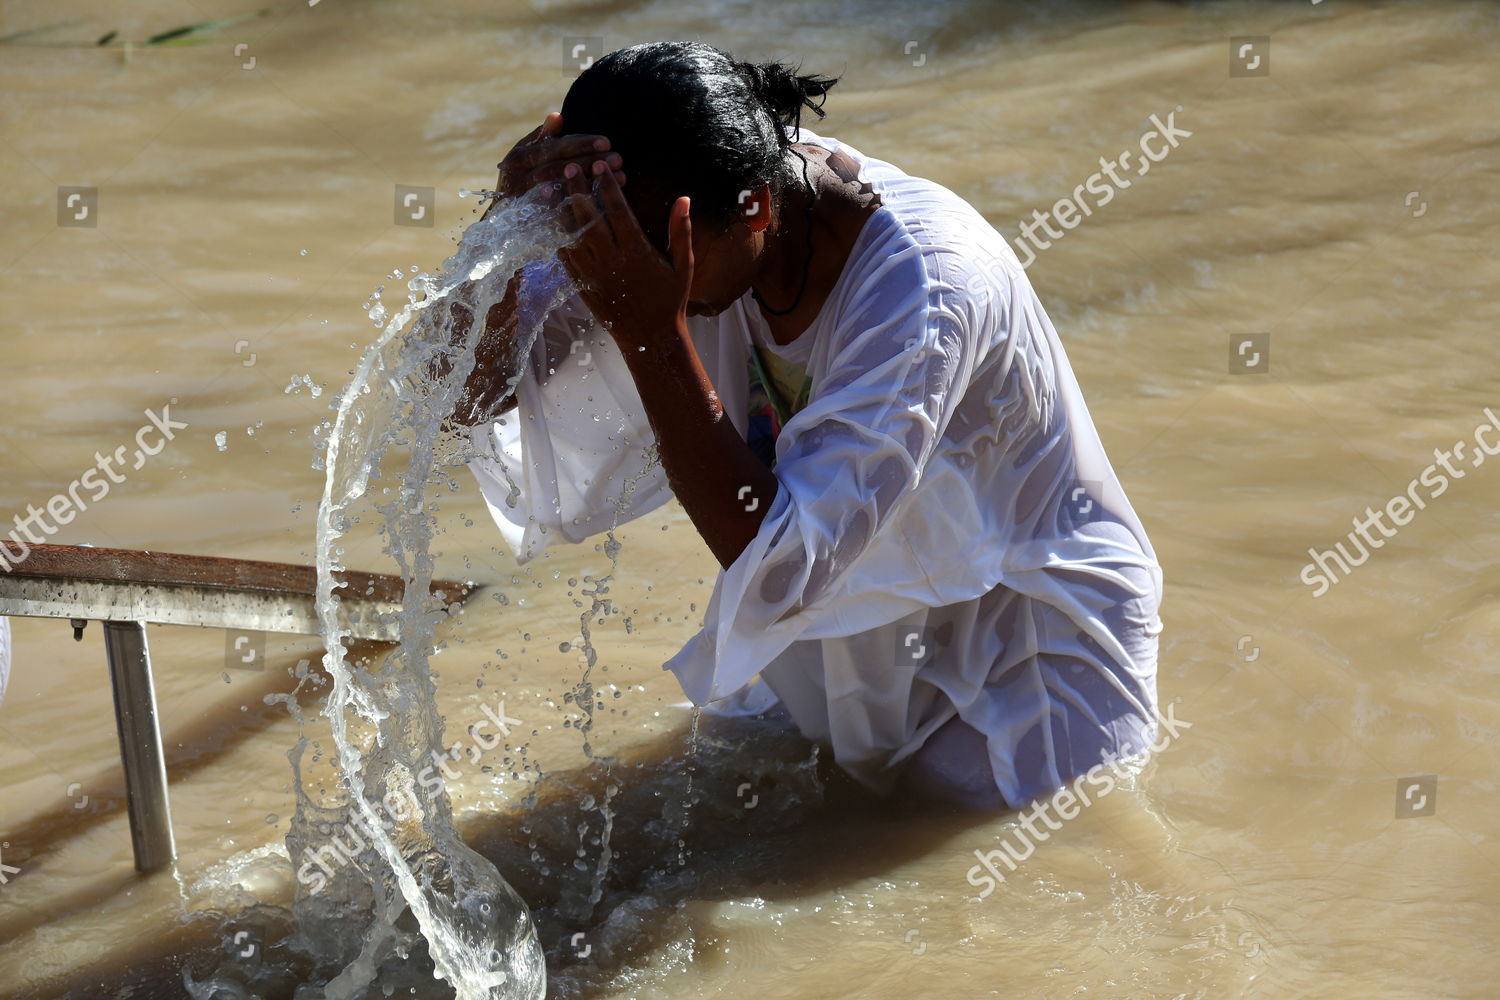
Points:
x=4, y=655
x=948, y=537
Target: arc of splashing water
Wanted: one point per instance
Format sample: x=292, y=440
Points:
x=468, y=981
x=344, y=693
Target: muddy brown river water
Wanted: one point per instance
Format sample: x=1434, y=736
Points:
x=1279, y=326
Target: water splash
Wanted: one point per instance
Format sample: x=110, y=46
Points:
x=583, y=693
x=384, y=719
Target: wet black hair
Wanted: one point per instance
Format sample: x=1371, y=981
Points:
x=688, y=118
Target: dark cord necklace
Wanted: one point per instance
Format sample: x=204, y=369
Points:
x=807, y=263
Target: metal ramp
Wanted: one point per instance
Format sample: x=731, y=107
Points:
x=126, y=590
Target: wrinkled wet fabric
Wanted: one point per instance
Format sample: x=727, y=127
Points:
x=948, y=539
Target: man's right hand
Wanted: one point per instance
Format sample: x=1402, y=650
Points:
x=541, y=157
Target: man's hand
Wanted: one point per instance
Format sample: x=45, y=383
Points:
x=540, y=157
x=635, y=292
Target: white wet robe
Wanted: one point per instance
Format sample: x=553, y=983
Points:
x=4, y=655
x=948, y=538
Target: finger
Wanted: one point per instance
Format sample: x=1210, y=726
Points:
x=551, y=177
x=622, y=221
x=580, y=256
x=549, y=126
x=580, y=201
x=680, y=237
x=539, y=131
x=552, y=170
x=548, y=148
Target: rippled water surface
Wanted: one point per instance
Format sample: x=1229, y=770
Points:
x=1328, y=825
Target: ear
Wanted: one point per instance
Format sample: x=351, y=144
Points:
x=755, y=207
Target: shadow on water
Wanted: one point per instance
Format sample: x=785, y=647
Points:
x=188, y=745
x=769, y=818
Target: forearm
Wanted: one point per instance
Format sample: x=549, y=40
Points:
x=487, y=390
x=724, y=487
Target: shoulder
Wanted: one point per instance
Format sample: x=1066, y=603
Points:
x=928, y=260
x=959, y=253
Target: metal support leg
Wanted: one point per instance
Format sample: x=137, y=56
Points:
x=140, y=745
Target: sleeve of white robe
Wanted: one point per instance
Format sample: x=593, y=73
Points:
x=571, y=459
x=4, y=655
x=900, y=356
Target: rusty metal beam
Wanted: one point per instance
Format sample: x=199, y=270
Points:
x=126, y=590
x=65, y=581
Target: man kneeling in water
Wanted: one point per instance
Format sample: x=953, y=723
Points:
x=857, y=397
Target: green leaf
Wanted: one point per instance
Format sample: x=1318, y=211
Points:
x=37, y=31
x=194, y=29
